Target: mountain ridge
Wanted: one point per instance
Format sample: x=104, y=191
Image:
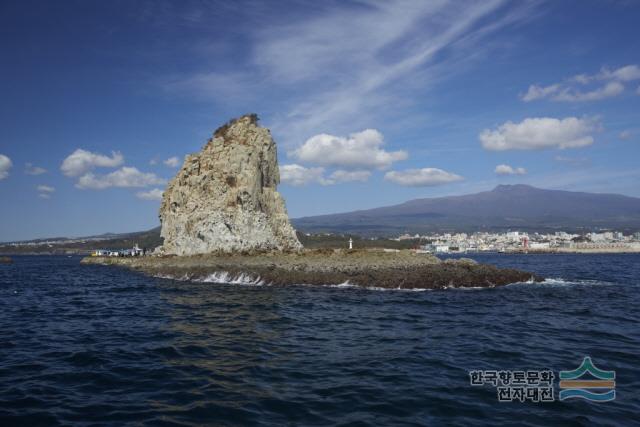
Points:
x=504, y=207
x=388, y=221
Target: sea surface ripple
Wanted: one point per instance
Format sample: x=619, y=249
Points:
x=92, y=345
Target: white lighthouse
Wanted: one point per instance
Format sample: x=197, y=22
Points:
x=350, y=243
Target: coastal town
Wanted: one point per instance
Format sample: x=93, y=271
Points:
x=517, y=241
x=435, y=243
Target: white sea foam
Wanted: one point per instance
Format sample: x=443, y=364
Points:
x=225, y=277
x=182, y=278
x=558, y=281
x=222, y=277
x=468, y=288
x=347, y=285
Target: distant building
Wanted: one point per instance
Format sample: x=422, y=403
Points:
x=539, y=245
x=135, y=251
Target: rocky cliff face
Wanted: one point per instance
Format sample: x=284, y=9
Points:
x=224, y=198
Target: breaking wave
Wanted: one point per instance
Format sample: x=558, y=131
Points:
x=558, y=281
x=225, y=277
x=221, y=277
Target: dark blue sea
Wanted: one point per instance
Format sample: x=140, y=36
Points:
x=92, y=345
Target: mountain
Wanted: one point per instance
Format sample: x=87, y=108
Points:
x=505, y=207
x=515, y=207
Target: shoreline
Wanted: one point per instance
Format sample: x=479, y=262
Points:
x=361, y=268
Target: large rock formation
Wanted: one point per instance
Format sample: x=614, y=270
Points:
x=224, y=198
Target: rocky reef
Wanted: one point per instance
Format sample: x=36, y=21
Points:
x=224, y=198
x=223, y=221
x=363, y=268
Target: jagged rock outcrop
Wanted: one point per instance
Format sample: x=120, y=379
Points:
x=224, y=198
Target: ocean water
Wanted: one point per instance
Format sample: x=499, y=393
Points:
x=93, y=345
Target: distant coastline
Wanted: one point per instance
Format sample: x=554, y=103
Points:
x=151, y=239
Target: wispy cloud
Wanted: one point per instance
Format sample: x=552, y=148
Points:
x=425, y=177
x=172, y=162
x=573, y=161
x=155, y=194
x=509, y=170
x=45, y=191
x=124, y=177
x=360, y=58
x=349, y=176
x=31, y=169
x=609, y=83
x=344, y=65
x=298, y=175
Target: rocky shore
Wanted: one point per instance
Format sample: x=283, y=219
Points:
x=365, y=268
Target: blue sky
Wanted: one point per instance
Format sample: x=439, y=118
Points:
x=371, y=103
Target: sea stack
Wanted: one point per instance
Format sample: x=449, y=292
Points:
x=224, y=199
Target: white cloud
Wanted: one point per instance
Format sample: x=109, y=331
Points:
x=172, y=162
x=123, y=177
x=31, y=169
x=360, y=149
x=5, y=165
x=349, y=176
x=624, y=74
x=539, y=133
x=609, y=90
x=155, y=194
x=82, y=161
x=425, y=177
x=45, y=191
x=538, y=92
x=610, y=85
x=297, y=175
x=509, y=170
